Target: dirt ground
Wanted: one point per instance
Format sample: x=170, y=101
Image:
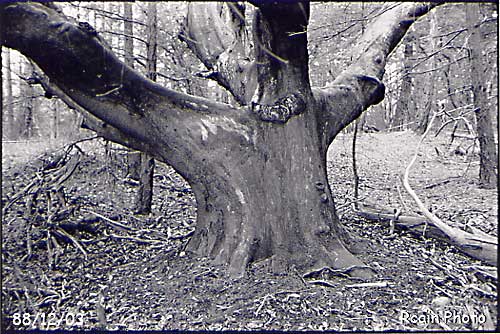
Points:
x=130, y=272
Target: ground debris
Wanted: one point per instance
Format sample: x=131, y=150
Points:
x=138, y=277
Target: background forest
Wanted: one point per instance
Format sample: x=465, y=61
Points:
x=98, y=258
x=430, y=70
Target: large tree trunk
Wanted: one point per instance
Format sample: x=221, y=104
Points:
x=258, y=171
x=488, y=177
x=270, y=199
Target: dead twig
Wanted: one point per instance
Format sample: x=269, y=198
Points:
x=322, y=283
x=182, y=236
x=342, y=272
x=139, y=240
x=368, y=285
x=65, y=234
x=111, y=222
x=266, y=297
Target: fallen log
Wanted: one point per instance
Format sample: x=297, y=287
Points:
x=476, y=244
x=414, y=224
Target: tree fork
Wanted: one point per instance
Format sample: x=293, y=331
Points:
x=259, y=177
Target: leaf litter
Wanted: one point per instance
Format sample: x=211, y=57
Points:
x=136, y=275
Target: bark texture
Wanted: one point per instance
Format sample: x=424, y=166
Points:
x=488, y=177
x=133, y=157
x=8, y=101
x=144, y=197
x=258, y=171
x=28, y=103
x=404, y=104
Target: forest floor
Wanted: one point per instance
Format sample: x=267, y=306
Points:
x=71, y=266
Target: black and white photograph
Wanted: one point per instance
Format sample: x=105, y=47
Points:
x=249, y=166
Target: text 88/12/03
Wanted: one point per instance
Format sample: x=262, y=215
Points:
x=47, y=320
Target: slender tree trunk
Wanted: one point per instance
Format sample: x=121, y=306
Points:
x=55, y=120
x=404, y=104
x=430, y=102
x=8, y=100
x=27, y=96
x=488, y=177
x=133, y=157
x=355, y=133
x=144, y=197
x=128, y=29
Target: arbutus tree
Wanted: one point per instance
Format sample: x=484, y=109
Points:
x=258, y=170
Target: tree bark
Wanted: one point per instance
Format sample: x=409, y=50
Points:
x=29, y=101
x=430, y=102
x=227, y=56
x=488, y=177
x=8, y=101
x=133, y=157
x=258, y=172
x=404, y=104
x=55, y=120
x=144, y=197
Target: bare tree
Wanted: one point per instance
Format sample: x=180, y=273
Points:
x=258, y=170
x=28, y=100
x=404, y=104
x=8, y=112
x=144, y=197
x=133, y=157
x=488, y=177
x=430, y=100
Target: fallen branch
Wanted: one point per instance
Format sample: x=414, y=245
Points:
x=65, y=234
x=368, y=285
x=484, y=273
x=439, y=183
x=414, y=224
x=138, y=240
x=21, y=194
x=336, y=272
x=478, y=246
x=322, y=283
x=111, y=222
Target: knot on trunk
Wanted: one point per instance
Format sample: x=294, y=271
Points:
x=282, y=110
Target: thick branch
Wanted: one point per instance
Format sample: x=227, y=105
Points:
x=80, y=63
x=361, y=81
x=216, y=33
x=280, y=38
x=89, y=121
